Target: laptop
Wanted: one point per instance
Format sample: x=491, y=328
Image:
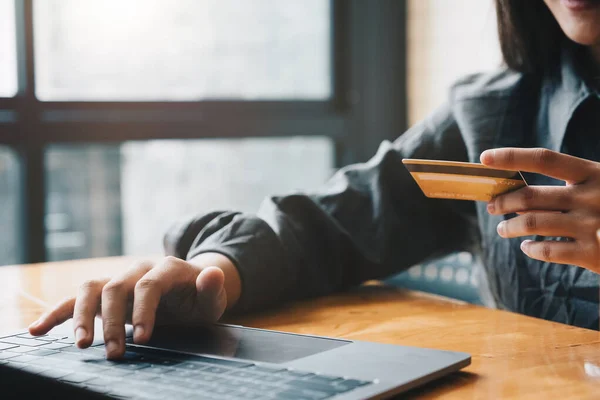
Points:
x=216, y=362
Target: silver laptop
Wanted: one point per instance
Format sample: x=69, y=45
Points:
x=216, y=362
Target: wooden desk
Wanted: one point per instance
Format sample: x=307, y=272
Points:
x=513, y=356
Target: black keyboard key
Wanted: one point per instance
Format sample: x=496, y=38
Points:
x=23, y=358
x=247, y=395
x=66, y=356
x=317, y=386
x=324, y=379
x=296, y=374
x=293, y=394
x=192, y=366
x=100, y=381
x=165, y=362
x=179, y=373
x=208, y=378
x=77, y=378
x=56, y=336
x=23, y=349
x=159, y=370
x=352, y=383
x=226, y=363
x=100, y=362
x=217, y=370
x=55, y=373
x=245, y=374
x=16, y=365
x=35, y=369
x=117, y=373
x=132, y=366
x=41, y=352
x=23, y=342
x=56, y=346
x=236, y=383
x=265, y=369
x=44, y=338
x=221, y=390
x=29, y=336
x=90, y=368
x=48, y=362
x=190, y=384
x=6, y=346
x=273, y=379
x=261, y=387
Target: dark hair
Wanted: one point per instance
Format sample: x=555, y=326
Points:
x=530, y=37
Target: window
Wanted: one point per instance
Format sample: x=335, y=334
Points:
x=8, y=54
x=109, y=200
x=445, y=43
x=188, y=50
x=10, y=210
x=257, y=97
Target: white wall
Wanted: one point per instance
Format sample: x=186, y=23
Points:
x=447, y=39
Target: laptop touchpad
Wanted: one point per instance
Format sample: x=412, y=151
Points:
x=239, y=342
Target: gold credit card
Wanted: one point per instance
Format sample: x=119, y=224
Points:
x=461, y=180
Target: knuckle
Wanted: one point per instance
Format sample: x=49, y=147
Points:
x=528, y=197
x=509, y=156
x=171, y=263
x=111, y=323
x=146, y=284
x=546, y=251
x=530, y=222
x=91, y=286
x=142, y=265
x=566, y=198
x=113, y=287
x=543, y=156
x=172, y=260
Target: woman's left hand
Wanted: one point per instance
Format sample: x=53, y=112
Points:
x=573, y=211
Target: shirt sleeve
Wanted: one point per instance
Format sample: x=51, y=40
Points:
x=369, y=221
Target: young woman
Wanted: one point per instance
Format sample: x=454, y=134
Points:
x=539, y=115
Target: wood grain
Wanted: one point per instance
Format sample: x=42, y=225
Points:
x=513, y=356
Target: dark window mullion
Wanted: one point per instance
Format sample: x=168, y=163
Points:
x=31, y=147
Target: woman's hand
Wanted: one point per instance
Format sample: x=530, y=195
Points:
x=172, y=291
x=573, y=210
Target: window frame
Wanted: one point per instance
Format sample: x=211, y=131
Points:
x=361, y=112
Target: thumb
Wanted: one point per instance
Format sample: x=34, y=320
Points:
x=210, y=285
x=210, y=281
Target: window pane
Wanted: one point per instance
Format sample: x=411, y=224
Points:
x=444, y=44
x=182, y=50
x=10, y=208
x=8, y=53
x=82, y=202
x=106, y=200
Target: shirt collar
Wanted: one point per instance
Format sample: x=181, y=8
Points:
x=565, y=90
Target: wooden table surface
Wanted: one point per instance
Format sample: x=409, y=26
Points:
x=513, y=356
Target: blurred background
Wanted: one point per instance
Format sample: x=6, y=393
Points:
x=119, y=117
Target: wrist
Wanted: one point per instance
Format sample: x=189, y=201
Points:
x=232, y=284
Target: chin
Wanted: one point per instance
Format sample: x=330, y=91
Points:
x=578, y=19
x=586, y=36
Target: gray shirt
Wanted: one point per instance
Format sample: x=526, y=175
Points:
x=371, y=220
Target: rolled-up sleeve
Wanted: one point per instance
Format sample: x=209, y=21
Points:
x=369, y=221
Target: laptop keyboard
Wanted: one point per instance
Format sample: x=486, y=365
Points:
x=157, y=374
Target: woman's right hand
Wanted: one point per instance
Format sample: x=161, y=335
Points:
x=172, y=291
